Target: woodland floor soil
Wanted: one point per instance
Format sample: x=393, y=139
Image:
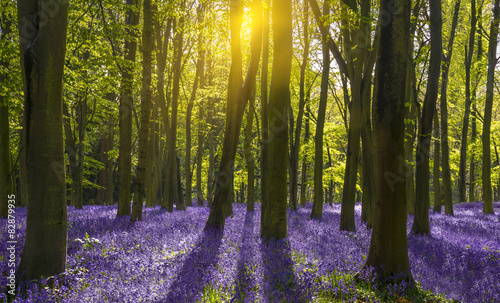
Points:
x=168, y=258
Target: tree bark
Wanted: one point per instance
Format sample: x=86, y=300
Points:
x=488, y=107
x=462, y=187
x=125, y=111
x=388, y=252
x=295, y=142
x=151, y=167
x=264, y=144
x=436, y=170
x=145, y=133
x=5, y=165
x=171, y=182
x=317, y=210
x=356, y=56
x=42, y=57
x=303, y=183
x=249, y=156
x=275, y=219
x=422, y=203
x=447, y=195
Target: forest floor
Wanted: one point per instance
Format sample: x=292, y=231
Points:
x=168, y=258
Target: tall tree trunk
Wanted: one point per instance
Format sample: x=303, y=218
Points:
x=295, y=142
x=472, y=164
x=125, y=111
x=146, y=108
x=211, y=156
x=356, y=55
x=161, y=58
x=465, y=128
x=264, y=144
x=303, y=183
x=172, y=193
x=5, y=165
x=472, y=169
x=238, y=96
x=42, y=57
x=447, y=195
x=488, y=107
x=422, y=203
x=368, y=182
x=275, y=225
x=199, y=161
x=317, y=210
x=436, y=170
x=388, y=252
x=198, y=81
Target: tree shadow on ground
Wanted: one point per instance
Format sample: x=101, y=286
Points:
x=193, y=276
x=280, y=283
x=244, y=282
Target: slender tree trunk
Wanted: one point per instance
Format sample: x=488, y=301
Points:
x=211, y=157
x=159, y=147
x=472, y=164
x=317, y=210
x=295, y=142
x=264, y=144
x=436, y=170
x=472, y=169
x=275, y=225
x=465, y=128
x=448, y=203
x=249, y=156
x=161, y=57
x=199, y=161
x=171, y=175
x=388, y=252
x=303, y=183
x=488, y=107
x=368, y=182
x=146, y=108
x=422, y=203
x=76, y=151
x=125, y=111
x=42, y=57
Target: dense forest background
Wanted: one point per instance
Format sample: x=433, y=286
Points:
x=191, y=103
x=94, y=72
